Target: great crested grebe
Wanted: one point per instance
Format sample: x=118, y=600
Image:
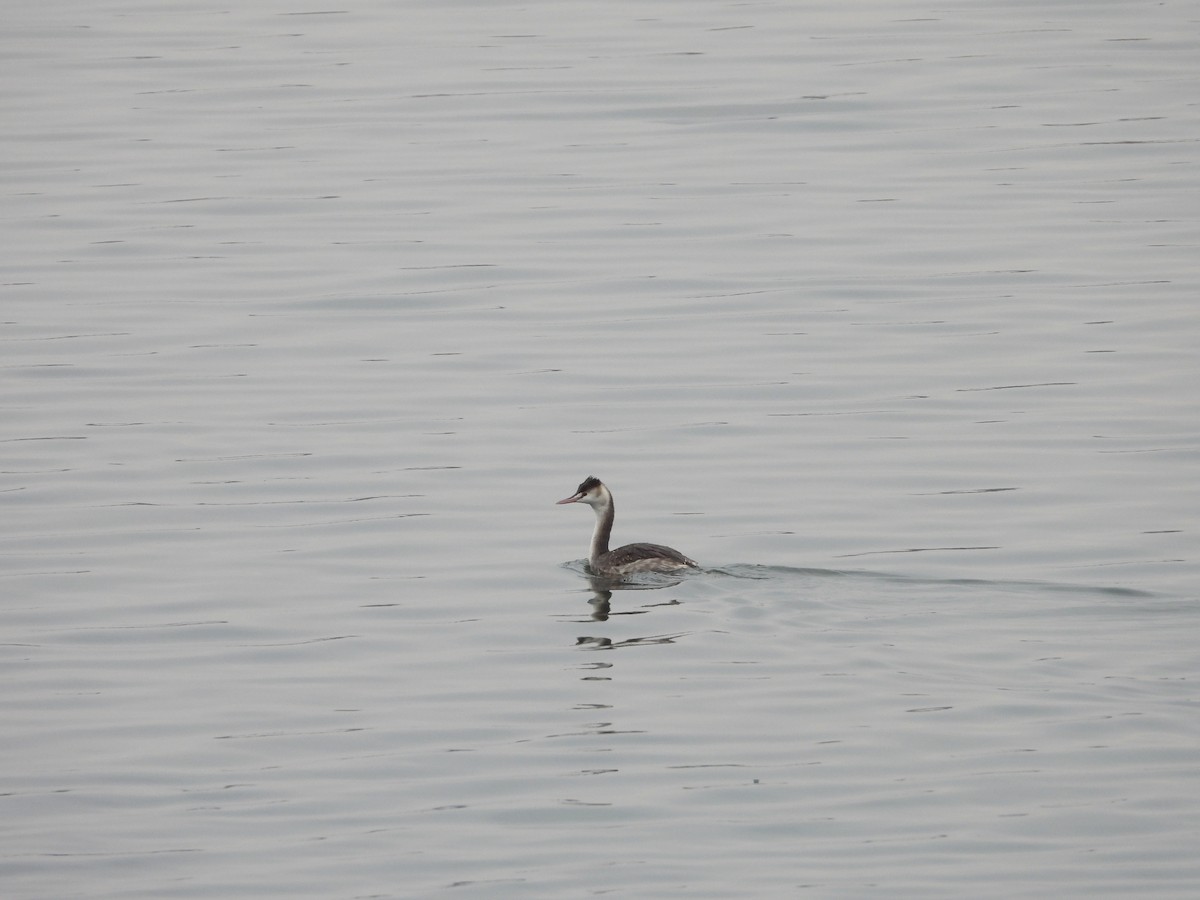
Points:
x=631, y=557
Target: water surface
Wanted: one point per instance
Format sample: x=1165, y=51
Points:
x=884, y=314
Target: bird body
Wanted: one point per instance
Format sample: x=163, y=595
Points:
x=630, y=558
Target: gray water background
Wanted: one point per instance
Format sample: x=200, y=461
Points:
x=885, y=313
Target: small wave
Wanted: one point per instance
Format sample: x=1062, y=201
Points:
x=758, y=572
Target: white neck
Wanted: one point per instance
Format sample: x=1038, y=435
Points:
x=605, y=513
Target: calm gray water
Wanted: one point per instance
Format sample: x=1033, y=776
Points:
x=886, y=313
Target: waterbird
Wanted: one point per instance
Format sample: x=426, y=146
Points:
x=630, y=558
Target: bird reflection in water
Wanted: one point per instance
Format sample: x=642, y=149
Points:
x=602, y=643
x=602, y=592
